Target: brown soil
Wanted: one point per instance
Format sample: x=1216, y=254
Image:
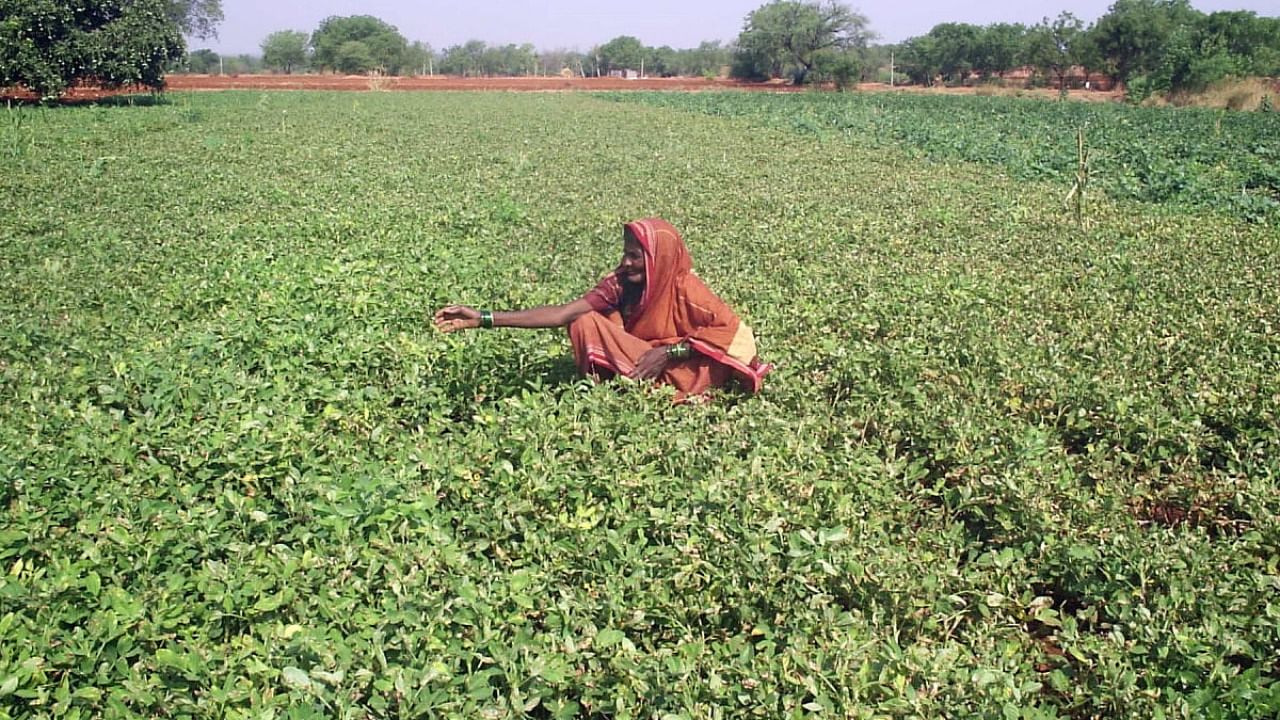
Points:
x=183, y=83
x=441, y=82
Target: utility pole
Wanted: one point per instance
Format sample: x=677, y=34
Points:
x=891, y=68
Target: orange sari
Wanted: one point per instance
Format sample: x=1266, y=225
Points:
x=675, y=306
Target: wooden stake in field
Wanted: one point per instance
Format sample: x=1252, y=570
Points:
x=1075, y=198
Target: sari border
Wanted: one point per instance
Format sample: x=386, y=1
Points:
x=595, y=356
x=751, y=375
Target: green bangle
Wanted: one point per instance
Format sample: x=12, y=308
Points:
x=486, y=319
x=678, y=351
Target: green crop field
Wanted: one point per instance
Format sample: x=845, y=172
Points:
x=1014, y=462
x=1226, y=162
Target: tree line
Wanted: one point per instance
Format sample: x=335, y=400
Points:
x=1150, y=45
x=361, y=44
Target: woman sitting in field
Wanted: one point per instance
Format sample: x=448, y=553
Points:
x=650, y=319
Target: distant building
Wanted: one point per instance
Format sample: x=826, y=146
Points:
x=1076, y=78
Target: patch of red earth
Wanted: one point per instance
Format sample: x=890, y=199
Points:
x=75, y=95
x=442, y=82
x=362, y=83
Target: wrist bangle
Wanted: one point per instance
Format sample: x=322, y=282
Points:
x=678, y=351
x=486, y=319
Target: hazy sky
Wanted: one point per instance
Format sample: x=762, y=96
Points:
x=579, y=24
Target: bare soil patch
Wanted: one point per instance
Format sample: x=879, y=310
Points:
x=362, y=83
x=441, y=82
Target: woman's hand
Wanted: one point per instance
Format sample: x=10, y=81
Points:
x=651, y=364
x=457, y=317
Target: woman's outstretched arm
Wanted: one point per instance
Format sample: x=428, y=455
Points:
x=462, y=317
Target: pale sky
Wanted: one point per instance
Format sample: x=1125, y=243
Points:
x=580, y=24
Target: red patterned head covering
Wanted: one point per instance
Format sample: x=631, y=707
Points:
x=677, y=306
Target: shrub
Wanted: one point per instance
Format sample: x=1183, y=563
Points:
x=46, y=45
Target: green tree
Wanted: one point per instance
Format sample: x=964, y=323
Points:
x=792, y=37
x=285, y=50
x=999, y=48
x=705, y=60
x=875, y=62
x=1179, y=66
x=662, y=61
x=384, y=46
x=1054, y=46
x=507, y=60
x=1212, y=48
x=918, y=59
x=242, y=64
x=1134, y=34
x=622, y=53
x=1251, y=43
x=956, y=49
x=843, y=68
x=525, y=57
x=419, y=59
x=591, y=62
x=756, y=61
x=46, y=45
x=196, y=18
x=203, y=61
x=466, y=59
x=353, y=58
x=1168, y=46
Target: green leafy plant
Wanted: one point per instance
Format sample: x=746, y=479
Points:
x=1191, y=157
x=1000, y=472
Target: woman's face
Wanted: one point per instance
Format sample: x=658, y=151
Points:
x=631, y=269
